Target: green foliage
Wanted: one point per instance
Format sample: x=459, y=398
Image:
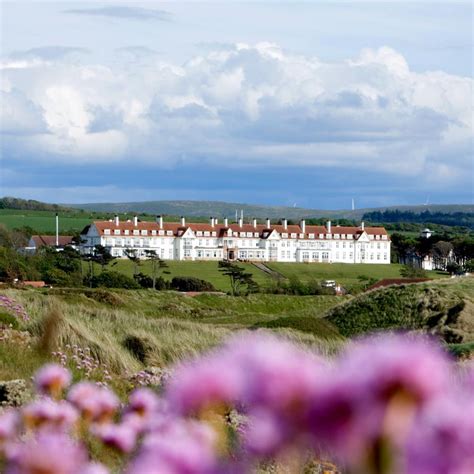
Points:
x=462, y=351
x=191, y=284
x=317, y=326
x=110, y=279
x=426, y=217
x=238, y=277
x=410, y=271
x=8, y=319
x=411, y=307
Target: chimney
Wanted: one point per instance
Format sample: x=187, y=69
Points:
x=268, y=223
x=328, y=226
x=285, y=224
x=211, y=221
x=254, y=223
x=57, y=229
x=303, y=225
x=216, y=221
x=135, y=220
x=241, y=221
x=226, y=222
x=183, y=221
x=362, y=225
x=116, y=220
x=159, y=221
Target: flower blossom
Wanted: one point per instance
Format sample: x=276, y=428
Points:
x=52, y=379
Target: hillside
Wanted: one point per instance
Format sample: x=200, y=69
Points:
x=224, y=209
x=445, y=308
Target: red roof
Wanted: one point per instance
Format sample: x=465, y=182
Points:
x=50, y=240
x=221, y=229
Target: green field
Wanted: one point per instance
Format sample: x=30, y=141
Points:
x=208, y=271
x=45, y=221
x=343, y=273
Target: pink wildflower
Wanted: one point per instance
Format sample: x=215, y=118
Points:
x=96, y=404
x=52, y=379
x=48, y=453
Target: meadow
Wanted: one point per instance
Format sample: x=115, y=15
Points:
x=345, y=274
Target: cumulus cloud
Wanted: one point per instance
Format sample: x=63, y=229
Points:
x=250, y=106
x=124, y=12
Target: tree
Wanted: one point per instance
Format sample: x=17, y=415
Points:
x=238, y=277
x=442, y=251
x=132, y=255
x=156, y=264
x=102, y=256
x=410, y=271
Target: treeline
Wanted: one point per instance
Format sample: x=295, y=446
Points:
x=29, y=205
x=463, y=219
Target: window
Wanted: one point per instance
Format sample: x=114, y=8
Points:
x=117, y=231
x=311, y=236
x=321, y=236
x=126, y=231
x=144, y=232
x=136, y=232
x=107, y=231
x=169, y=232
x=293, y=235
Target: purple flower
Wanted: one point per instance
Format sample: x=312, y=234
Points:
x=203, y=384
x=122, y=437
x=179, y=447
x=143, y=402
x=96, y=404
x=46, y=413
x=442, y=439
x=9, y=422
x=52, y=379
x=48, y=453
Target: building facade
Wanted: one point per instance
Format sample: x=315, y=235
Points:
x=239, y=241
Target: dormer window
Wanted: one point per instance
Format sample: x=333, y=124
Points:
x=206, y=233
x=328, y=236
x=126, y=232
x=144, y=232
x=311, y=236
x=107, y=231
x=153, y=232
x=213, y=234
x=384, y=237
x=284, y=235
x=136, y=232
x=256, y=234
x=117, y=231
x=301, y=236
x=293, y=235
x=169, y=232
x=336, y=236
x=321, y=236
x=199, y=233
x=161, y=232
x=343, y=236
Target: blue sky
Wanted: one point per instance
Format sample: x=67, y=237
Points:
x=310, y=103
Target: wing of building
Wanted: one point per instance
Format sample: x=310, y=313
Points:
x=239, y=241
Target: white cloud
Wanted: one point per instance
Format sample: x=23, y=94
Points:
x=248, y=105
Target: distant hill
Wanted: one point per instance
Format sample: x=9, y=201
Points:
x=29, y=205
x=226, y=209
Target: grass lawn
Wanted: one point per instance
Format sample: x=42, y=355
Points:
x=204, y=270
x=344, y=273
x=42, y=221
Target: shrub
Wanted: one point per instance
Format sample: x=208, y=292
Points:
x=114, y=280
x=410, y=271
x=137, y=346
x=7, y=319
x=191, y=284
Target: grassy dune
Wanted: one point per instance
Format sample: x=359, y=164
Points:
x=169, y=327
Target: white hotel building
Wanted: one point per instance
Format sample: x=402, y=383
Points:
x=240, y=241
